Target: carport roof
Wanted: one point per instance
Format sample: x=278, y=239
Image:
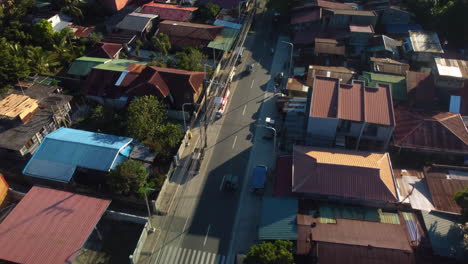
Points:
x=278, y=219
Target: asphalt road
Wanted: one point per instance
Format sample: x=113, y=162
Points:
x=199, y=231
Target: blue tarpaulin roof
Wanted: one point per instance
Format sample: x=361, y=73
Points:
x=278, y=219
x=65, y=149
x=258, y=179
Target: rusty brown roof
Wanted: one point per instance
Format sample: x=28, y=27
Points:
x=343, y=173
x=329, y=46
x=324, y=98
x=184, y=34
x=363, y=233
x=342, y=73
x=430, y=131
x=420, y=86
x=387, y=65
x=443, y=183
x=379, y=106
x=332, y=253
x=351, y=102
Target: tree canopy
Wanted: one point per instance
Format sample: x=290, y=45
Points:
x=145, y=115
x=277, y=252
x=189, y=59
x=206, y=12
x=161, y=43
x=128, y=178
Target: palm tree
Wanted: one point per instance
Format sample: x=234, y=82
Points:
x=41, y=61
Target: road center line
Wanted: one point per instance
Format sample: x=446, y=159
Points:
x=206, y=236
x=185, y=225
x=245, y=107
x=233, y=144
x=252, y=84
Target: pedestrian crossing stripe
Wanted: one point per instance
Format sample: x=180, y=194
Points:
x=177, y=255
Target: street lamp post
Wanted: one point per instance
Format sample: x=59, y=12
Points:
x=151, y=227
x=274, y=137
x=290, y=60
x=183, y=115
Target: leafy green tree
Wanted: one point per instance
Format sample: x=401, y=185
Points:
x=145, y=116
x=139, y=43
x=43, y=34
x=206, y=12
x=277, y=252
x=71, y=8
x=128, y=178
x=461, y=198
x=189, y=59
x=165, y=142
x=13, y=63
x=159, y=62
x=161, y=43
x=41, y=61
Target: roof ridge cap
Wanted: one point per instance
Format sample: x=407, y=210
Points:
x=453, y=132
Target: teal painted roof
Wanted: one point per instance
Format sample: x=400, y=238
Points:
x=65, y=149
x=445, y=236
x=397, y=83
x=118, y=65
x=83, y=65
x=224, y=40
x=278, y=219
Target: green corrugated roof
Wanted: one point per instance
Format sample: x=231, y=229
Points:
x=83, y=65
x=445, y=236
x=389, y=218
x=278, y=219
x=117, y=65
x=408, y=216
x=397, y=83
x=329, y=212
x=225, y=40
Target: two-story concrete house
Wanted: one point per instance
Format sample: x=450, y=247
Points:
x=350, y=115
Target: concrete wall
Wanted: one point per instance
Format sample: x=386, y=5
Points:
x=119, y=216
x=383, y=133
x=141, y=241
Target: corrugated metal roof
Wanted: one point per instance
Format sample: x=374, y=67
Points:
x=136, y=22
x=83, y=65
x=452, y=68
x=227, y=24
x=343, y=173
x=378, y=105
x=65, y=149
x=329, y=46
x=49, y=226
x=351, y=102
x=278, y=219
x=386, y=65
x=430, y=131
x=333, y=5
x=330, y=212
x=388, y=217
x=363, y=233
x=342, y=73
x=183, y=34
x=117, y=65
x=445, y=235
x=225, y=40
x=397, y=83
x=425, y=42
x=443, y=183
x=420, y=86
x=333, y=253
x=168, y=11
x=361, y=29
x=324, y=97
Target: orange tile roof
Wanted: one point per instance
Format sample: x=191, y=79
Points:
x=324, y=97
x=344, y=173
x=351, y=102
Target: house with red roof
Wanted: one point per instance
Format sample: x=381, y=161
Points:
x=354, y=176
x=185, y=34
x=106, y=50
x=173, y=86
x=350, y=115
x=426, y=132
x=49, y=226
x=169, y=11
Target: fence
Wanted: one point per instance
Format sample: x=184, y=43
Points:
x=133, y=259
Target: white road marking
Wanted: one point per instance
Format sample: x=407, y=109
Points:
x=198, y=256
x=206, y=236
x=252, y=84
x=202, y=260
x=182, y=256
x=233, y=144
x=185, y=225
x=221, y=185
x=245, y=107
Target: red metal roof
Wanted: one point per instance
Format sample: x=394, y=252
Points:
x=168, y=11
x=429, y=131
x=49, y=226
x=354, y=102
x=102, y=83
x=184, y=34
x=343, y=173
x=81, y=32
x=105, y=50
x=324, y=97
